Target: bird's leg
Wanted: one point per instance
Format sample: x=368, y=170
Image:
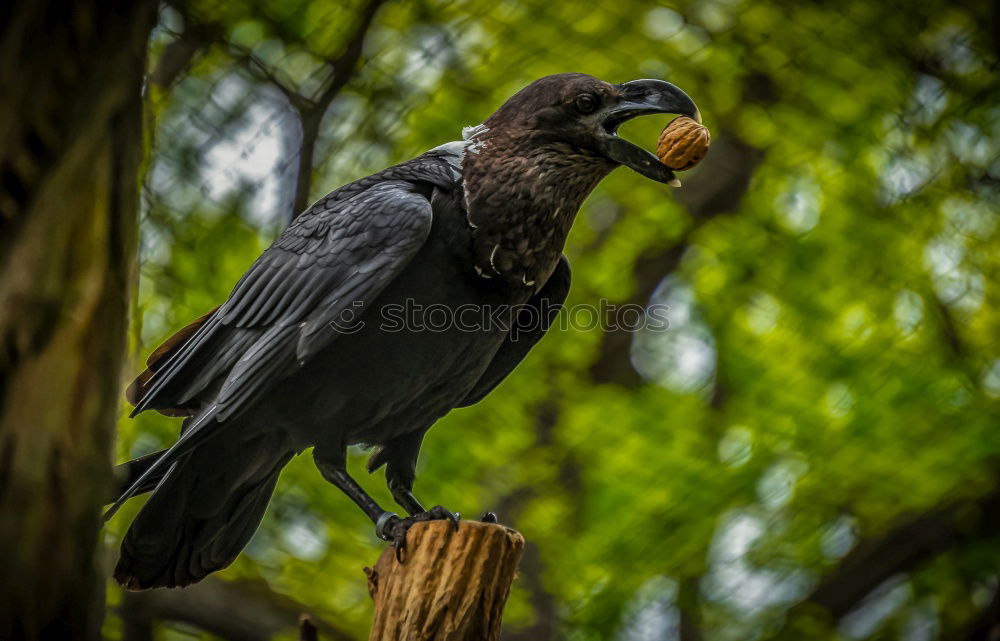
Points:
x=400, y=476
x=335, y=471
x=400, y=459
x=402, y=493
x=388, y=525
x=399, y=473
x=401, y=470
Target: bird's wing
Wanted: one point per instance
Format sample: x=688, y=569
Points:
x=332, y=260
x=531, y=323
x=158, y=358
x=285, y=309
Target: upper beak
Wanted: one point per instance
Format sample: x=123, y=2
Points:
x=639, y=98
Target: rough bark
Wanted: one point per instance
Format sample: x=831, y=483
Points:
x=451, y=585
x=70, y=151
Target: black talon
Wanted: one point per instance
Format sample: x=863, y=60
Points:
x=488, y=517
x=397, y=529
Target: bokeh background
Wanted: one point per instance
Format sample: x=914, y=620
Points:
x=810, y=451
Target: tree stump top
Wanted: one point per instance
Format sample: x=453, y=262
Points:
x=451, y=586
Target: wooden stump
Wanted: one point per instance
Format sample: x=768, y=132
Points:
x=451, y=586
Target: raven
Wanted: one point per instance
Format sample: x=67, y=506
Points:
x=299, y=355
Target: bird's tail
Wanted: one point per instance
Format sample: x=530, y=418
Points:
x=201, y=514
x=126, y=474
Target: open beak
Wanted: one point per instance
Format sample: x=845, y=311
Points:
x=640, y=98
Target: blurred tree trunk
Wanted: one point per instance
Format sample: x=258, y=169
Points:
x=70, y=151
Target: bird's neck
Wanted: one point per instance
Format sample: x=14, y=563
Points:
x=522, y=195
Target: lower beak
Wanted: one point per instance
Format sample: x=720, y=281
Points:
x=640, y=98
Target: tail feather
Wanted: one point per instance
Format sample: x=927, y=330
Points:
x=196, y=432
x=201, y=515
x=129, y=472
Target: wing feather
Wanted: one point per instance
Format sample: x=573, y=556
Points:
x=281, y=312
x=341, y=252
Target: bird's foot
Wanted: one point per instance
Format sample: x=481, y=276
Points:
x=393, y=528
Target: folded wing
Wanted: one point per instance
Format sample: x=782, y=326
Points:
x=332, y=261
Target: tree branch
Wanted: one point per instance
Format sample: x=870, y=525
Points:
x=311, y=111
x=689, y=607
x=307, y=629
x=177, y=56
x=903, y=549
x=310, y=122
x=343, y=66
x=259, y=70
x=239, y=610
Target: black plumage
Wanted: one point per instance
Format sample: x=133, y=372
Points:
x=300, y=356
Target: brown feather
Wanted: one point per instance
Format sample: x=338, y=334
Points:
x=137, y=389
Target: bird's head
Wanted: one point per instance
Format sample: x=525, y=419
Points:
x=584, y=113
x=527, y=169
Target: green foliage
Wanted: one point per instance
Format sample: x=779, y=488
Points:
x=832, y=366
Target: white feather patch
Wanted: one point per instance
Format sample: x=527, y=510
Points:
x=472, y=134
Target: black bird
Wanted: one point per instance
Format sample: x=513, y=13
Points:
x=304, y=352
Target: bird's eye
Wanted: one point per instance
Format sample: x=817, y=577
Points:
x=586, y=103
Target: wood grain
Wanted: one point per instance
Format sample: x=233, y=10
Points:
x=451, y=586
